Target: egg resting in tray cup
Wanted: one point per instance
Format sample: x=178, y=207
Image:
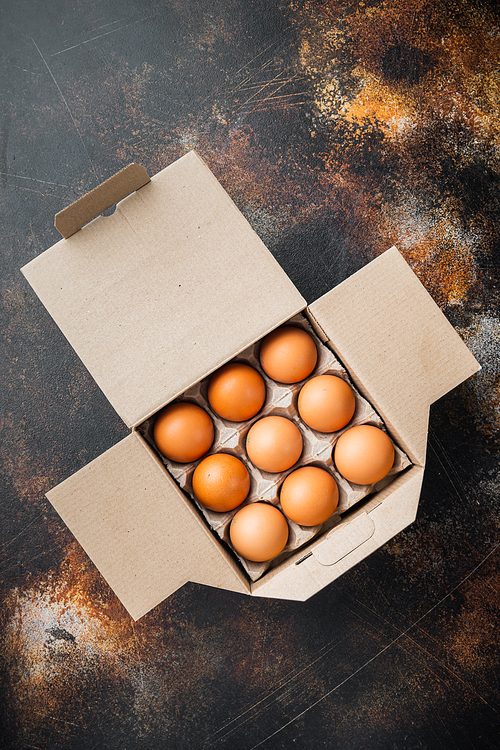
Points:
x=236, y=392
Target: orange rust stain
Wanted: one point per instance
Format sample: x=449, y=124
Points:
x=408, y=70
x=448, y=276
x=377, y=104
x=59, y=628
x=437, y=249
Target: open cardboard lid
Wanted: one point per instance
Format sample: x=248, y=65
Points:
x=399, y=348
x=142, y=534
x=168, y=288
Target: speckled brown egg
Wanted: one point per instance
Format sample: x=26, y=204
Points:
x=221, y=482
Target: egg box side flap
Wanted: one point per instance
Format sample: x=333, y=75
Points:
x=399, y=347
x=142, y=534
x=163, y=291
x=362, y=531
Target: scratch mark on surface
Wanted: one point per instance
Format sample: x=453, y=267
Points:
x=97, y=28
x=452, y=672
x=260, y=83
x=273, y=44
x=100, y=36
x=283, y=105
x=21, y=563
x=33, y=179
x=105, y=25
x=56, y=718
x=278, y=105
x=7, y=544
x=357, y=671
x=40, y=192
x=263, y=662
x=264, y=86
x=272, y=97
x=443, y=457
x=67, y=107
x=248, y=76
x=289, y=680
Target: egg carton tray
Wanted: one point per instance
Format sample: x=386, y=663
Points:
x=281, y=400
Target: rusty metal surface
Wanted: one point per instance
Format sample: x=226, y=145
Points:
x=339, y=129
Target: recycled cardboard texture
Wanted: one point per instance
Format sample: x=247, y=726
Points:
x=397, y=345
x=137, y=528
x=165, y=290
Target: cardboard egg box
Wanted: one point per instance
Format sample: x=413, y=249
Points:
x=159, y=295
x=281, y=400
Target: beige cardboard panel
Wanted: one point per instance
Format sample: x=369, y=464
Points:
x=396, y=343
x=140, y=532
x=166, y=289
x=397, y=509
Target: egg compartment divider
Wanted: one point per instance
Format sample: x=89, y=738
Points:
x=281, y=400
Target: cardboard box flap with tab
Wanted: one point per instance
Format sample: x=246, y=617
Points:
x=144, y=537
x=147, y=296
x=396, y=343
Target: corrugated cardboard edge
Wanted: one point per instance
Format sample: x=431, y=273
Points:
x=346, y=538
x=131, y=549
x=361, y=532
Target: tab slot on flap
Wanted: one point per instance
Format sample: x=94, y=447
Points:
x=343, y=539
x=74, y=217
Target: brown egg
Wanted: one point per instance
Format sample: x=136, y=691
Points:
x=326, y=403
x=259, y=532
x=221, y=482
x=288, y=354
x=274, y=444
x=364, y=454
x=236, y=392
x=309, y=495
x=183, y=432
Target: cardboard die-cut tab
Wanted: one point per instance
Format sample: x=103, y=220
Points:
x=343, y=540
x=74, y=217
x=170, y=287
x=387, y=513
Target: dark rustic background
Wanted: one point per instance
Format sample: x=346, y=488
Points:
x=340, y=129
